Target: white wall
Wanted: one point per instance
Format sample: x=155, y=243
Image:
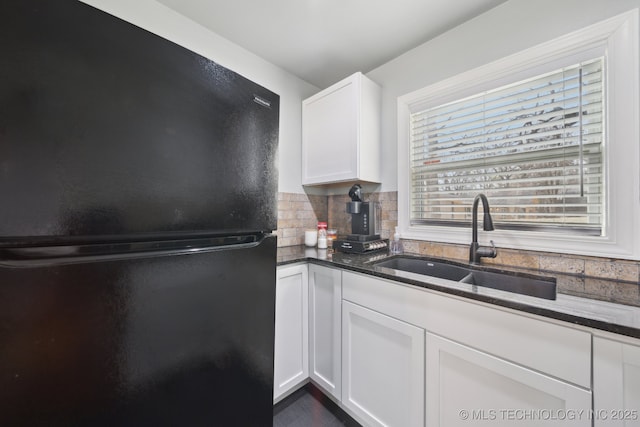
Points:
x=509, y=28
x=158, y=19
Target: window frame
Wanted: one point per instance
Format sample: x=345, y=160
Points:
x=617, y=39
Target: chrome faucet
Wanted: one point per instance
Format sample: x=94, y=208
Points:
x=475, y=250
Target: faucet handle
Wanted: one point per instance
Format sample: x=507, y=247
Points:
x=494, y=250
x=484, y=252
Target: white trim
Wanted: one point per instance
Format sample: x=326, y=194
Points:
x=618, y=39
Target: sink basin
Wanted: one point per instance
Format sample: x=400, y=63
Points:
x=443, y=270
x=524, y=284
x=541, y=287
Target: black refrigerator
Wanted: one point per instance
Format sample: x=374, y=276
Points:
x=137, y=203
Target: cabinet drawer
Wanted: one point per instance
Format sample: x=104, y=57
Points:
x=559, y=351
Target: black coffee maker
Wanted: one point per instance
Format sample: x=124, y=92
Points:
x=365, y=217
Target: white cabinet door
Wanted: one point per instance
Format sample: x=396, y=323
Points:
x=330, y=132
x=382, y=368
x=291, y=355
x=616, y=383
x=466, y=387
x=341, y=133
x=325, y=301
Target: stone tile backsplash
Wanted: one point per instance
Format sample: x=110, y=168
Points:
x=299, y=212
x=602, y=268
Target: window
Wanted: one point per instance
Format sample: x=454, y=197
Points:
x=549, y=135
x=534, y=148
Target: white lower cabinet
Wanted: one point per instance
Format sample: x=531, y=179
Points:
x=616, y=383
x=469, y=387
x=382, y=368
x=395, y=355
x=291, y=352
x=325, y=300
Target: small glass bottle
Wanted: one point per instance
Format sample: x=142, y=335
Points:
x=332, y=235
x=395, y=245
x=322, y=235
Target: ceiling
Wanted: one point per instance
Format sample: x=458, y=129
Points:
x=323, y=41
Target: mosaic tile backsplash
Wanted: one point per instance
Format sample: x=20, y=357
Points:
x=300, y=212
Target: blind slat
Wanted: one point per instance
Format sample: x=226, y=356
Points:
x=522, y=145
x=502, y=113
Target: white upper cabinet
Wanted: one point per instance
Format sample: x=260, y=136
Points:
x=341, y=133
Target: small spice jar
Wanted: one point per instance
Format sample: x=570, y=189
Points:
x=332, y=235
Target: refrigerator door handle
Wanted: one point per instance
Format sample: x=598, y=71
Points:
x=73, y=254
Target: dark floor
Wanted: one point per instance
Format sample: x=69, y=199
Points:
x=308, y=407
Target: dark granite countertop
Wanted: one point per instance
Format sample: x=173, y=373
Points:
x=607, y=305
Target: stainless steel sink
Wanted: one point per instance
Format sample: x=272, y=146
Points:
x=524, y=284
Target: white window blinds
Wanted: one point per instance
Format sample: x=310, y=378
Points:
x=534, y=148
